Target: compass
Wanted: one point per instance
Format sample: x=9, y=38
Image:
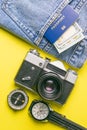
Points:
x=40, y=110
x=17, y=99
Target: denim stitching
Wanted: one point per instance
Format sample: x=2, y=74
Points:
x=48, y=47
x=76, y=54
x=20, y=24
x=29, y=30
x=51, y=19
x=80, y=5
x=43, y=43
x=74, y=3
x=77, y=49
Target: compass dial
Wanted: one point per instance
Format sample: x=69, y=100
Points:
x=17, y=99
x=40, y=110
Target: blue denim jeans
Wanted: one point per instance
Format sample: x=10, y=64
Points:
x=29, y=19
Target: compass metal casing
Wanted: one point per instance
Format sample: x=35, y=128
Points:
x=17, y=99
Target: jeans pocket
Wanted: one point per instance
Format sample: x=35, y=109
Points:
x=34, y=16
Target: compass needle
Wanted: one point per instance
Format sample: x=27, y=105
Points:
x=17, y=99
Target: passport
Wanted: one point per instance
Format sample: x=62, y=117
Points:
x=67, y=17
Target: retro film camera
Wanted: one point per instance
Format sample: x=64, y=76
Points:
x=49, y=79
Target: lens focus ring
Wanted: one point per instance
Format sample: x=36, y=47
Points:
x=50, y=86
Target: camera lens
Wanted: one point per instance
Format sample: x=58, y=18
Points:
x=49, y=86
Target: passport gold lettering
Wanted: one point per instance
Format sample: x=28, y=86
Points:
x=67, y=17
x=58, y=22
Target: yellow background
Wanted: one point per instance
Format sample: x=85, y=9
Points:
x=12, y=53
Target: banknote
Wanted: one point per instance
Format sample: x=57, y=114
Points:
x=67, y=17
x=72, y=31
x=70, y=42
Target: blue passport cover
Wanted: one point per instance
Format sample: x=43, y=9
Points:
x=67, y=17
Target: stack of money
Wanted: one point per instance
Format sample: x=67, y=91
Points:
x=72, y=36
